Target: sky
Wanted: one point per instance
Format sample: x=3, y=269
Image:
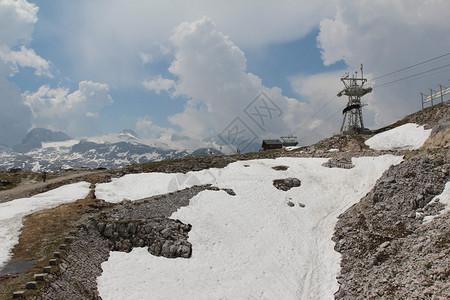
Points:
x=211, y=73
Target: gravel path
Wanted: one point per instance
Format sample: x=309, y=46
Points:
x=28, y=189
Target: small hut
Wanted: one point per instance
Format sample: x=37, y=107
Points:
x=272, y=144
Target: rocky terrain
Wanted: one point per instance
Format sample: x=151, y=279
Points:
x=388, y=251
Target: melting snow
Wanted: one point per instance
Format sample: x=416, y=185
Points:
x=252, y=245
x=443, y=198
x=406, y=137
x=12, y=212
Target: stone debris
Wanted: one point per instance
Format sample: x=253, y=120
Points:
x=19, y=295
x=163, y=236
x=342, y=162
x=280, y=168
x=31, y=285
x=286, y=184
x=386, y=250
x=40, y=276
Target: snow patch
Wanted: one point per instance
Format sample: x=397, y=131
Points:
x=291, y=148
x=252, y=245
x=138, y=186
x=406, y=137
x=12, y=212
x=59, y=145
x=443, y=198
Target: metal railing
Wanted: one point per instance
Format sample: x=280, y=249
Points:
x=433, y=95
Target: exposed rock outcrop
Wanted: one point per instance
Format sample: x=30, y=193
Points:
x=386, y=250
x=287, y=183
x=342, y=162
x=162, y=236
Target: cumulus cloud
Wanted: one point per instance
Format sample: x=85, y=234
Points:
x=320, y=90
x=387, y=36
x=17, y=20
x=143, y=27
x=224, y=98
x=18, y=16
x=74, y=113
x=146, y=126
x=25, y=58
x=159, y=84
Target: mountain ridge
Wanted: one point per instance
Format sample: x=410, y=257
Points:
x=46, y=150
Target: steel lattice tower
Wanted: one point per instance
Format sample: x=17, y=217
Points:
x=355, y=88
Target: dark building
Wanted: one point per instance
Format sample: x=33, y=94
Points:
x=272, y=144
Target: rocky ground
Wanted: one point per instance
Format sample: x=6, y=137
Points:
x=387, y=251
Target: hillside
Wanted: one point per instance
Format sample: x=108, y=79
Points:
x=392, y=243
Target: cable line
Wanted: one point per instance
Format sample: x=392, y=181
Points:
x=310, y=131
x=323, y=122
x=415, y=65
x=411, y=76
x=313, y=115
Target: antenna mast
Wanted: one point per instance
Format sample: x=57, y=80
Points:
x=355, y=88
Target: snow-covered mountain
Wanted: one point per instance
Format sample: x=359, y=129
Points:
x=43, y=149
x=37, y=136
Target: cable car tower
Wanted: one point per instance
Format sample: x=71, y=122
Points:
x=355, y=88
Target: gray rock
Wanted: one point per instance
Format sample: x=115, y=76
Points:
x=108, y=232
x=286, y=184
x=386, y=250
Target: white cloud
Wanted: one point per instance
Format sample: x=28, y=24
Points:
x=17, y=20
x=320, y=90
x=145, y=58
x=143, y=27
x=92, y=114
x=387, y=36
x=211, y=71
x=146, y=126
x=18, y=16
x=74, y=113
x=25, y=58
x=159, y=84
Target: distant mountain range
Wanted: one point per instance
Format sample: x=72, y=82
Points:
x=47, y=150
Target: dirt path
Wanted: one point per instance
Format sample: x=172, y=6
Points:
x=30, y=188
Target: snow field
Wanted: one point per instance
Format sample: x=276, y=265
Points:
x=248, y=246
x=406, y=137
x=12, y=212
x=138, y=186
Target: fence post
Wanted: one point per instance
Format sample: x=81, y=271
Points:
x=431, y=96
x=421, y=95
x=442, y=98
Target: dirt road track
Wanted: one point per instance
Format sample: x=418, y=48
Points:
x=28, y=189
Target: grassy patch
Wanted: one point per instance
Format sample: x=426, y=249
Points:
x=9, y=180
x=42, y=234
